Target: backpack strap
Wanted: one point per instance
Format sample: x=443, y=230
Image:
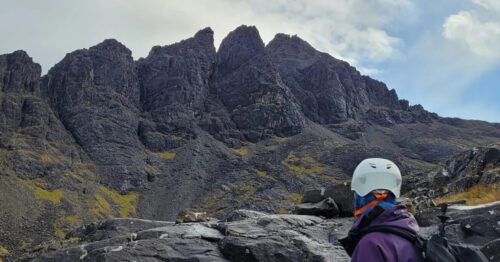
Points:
x=415, y=239
x=351, y=241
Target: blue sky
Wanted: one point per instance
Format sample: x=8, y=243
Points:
x=443, y=54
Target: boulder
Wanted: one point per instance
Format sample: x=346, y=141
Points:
x=257, y=237
x=492, y=250
x=191, y=215
x=313, y=195
x=325, y=208
x=343, y=197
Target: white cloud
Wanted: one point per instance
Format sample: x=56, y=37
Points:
x=489, y=4
x=483, y=38
x=348, y=29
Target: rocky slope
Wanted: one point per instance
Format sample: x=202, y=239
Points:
x=247, y=126
x=248, y=236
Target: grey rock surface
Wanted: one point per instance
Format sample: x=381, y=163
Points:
x=254, y=236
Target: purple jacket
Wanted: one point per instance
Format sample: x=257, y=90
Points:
x=387, y=247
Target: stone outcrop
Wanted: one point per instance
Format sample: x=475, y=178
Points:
x=247, y=236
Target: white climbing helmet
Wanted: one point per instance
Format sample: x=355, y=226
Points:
x=376, y=173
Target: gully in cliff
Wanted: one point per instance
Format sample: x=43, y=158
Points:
x=387, y=232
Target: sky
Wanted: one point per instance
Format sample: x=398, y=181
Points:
x=442, y=54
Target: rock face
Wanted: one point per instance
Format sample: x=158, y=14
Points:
x=96, y=94
x=247, y=126
x=245, y=236
x=479, y=165
x=249, y=236
x=261, y=106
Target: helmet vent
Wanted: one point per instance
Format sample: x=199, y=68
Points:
x=373, y=165
x=389, y=166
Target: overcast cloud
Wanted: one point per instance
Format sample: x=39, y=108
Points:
x=436, y=58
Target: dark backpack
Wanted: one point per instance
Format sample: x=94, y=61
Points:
x=435, y=249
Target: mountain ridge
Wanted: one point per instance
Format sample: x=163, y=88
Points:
x=247, y=126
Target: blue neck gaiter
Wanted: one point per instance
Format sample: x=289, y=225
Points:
x=361, y=201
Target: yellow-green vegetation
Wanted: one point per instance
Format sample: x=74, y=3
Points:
x=302, y=166
x=152, y=170
x=165, y=155
x=3, y=251
x=54, y=196
x=123, y=201
x=271, y=148
x=45, y=158
x=282, y=211
x=283, y=139
x=67, y=242
x=245, y=190
x=213, y=200
x=64, y=223
x=240, y=151
x=175, y=138
x=264, y=174
x=476, y=195
x=36, y=186
x=25, y=244
x=330, y=178
x=101, y=207
x=297, y=197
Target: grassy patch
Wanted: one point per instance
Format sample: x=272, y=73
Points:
x=297, y=197
x=175, y=138
x=302, y=166
x=25, y=245
x=283, y=139
x=476, y=195
x=165, y=155
x=36, y=186
x=264, y=174
x=241, y=151
x=53, y=196
x=282, y=211
x=64, y=223
x=3, y=251
x=45, y=158
x=102, y=207
x=271, y=148
x=123, y=201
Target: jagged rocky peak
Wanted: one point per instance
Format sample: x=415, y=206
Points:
x=19, y=73
x=291, y=47
x=107, y=67
x=178, y=73
x=96, y=94
x=202, y=40
x=238, y=47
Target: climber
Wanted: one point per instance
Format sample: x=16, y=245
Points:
x=376, y=184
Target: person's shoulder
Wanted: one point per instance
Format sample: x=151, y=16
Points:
x=374, y=238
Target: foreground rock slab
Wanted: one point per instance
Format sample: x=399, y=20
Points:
x=246, y=236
